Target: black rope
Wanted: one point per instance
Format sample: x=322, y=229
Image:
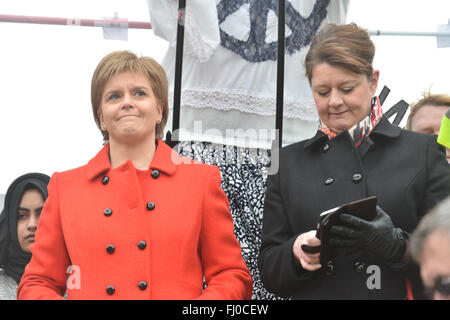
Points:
x=178, y=73
x=280, y=70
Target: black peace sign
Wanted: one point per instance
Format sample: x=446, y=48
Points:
x=255, y=49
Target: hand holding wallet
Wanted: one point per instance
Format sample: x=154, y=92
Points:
x=364, y=209
x=378, y=236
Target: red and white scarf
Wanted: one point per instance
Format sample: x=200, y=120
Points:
x=363, y=128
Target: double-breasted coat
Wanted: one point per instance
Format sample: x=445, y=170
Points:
x=125, y=233
x=406, y=171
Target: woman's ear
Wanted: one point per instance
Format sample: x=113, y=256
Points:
x=100, y=118
x=374, y=81
x=160, y=112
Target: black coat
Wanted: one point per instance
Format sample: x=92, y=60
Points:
x=406, y=171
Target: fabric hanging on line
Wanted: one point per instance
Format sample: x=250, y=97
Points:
x=229, y=67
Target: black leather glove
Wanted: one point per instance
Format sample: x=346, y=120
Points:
x=378, y=236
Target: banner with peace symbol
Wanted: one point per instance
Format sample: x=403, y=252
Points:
x=255, y=48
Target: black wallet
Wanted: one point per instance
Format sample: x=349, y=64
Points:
x=364, y=209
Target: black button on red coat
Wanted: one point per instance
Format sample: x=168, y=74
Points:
x=105, y=180
x=150, y=205
x=155, y=174
x=142, y=244
x=110, y=248
x=143, y=285
x=110, y=290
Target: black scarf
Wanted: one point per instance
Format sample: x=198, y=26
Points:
x=12, y=258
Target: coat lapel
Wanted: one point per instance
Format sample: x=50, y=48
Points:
x=383, y=128
x=387, y=129
x=319, y=138
x=165, y=159
x=99, y=164
x=124, y=177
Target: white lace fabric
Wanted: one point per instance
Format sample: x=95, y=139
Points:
x=219, y=83
x=225, y=100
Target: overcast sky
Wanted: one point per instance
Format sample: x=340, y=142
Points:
x=46, y=122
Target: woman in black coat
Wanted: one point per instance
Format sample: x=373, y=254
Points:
x=356, y=153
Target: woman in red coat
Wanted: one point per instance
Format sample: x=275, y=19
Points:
x=138, y=221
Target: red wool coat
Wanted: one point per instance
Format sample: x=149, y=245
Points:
x=124, y=233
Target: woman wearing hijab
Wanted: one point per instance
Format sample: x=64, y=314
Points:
x=18, y=223
x=138, y=221
x=356, y=153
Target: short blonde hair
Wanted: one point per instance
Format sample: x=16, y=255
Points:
x=123, y=61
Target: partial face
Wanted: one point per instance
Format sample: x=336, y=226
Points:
x=27, y=218
x=435, y=260
x=343, y=98
x=129, y=110
x=428, y=119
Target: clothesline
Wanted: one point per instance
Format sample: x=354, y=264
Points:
x=76, y=21
x=147, y=25
x=409, y=33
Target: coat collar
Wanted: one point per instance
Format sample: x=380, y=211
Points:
x=164, y=160
x=319, y=138
x=387, y=129
x=383, y=128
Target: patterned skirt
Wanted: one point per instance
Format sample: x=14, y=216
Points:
x=244, y=175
